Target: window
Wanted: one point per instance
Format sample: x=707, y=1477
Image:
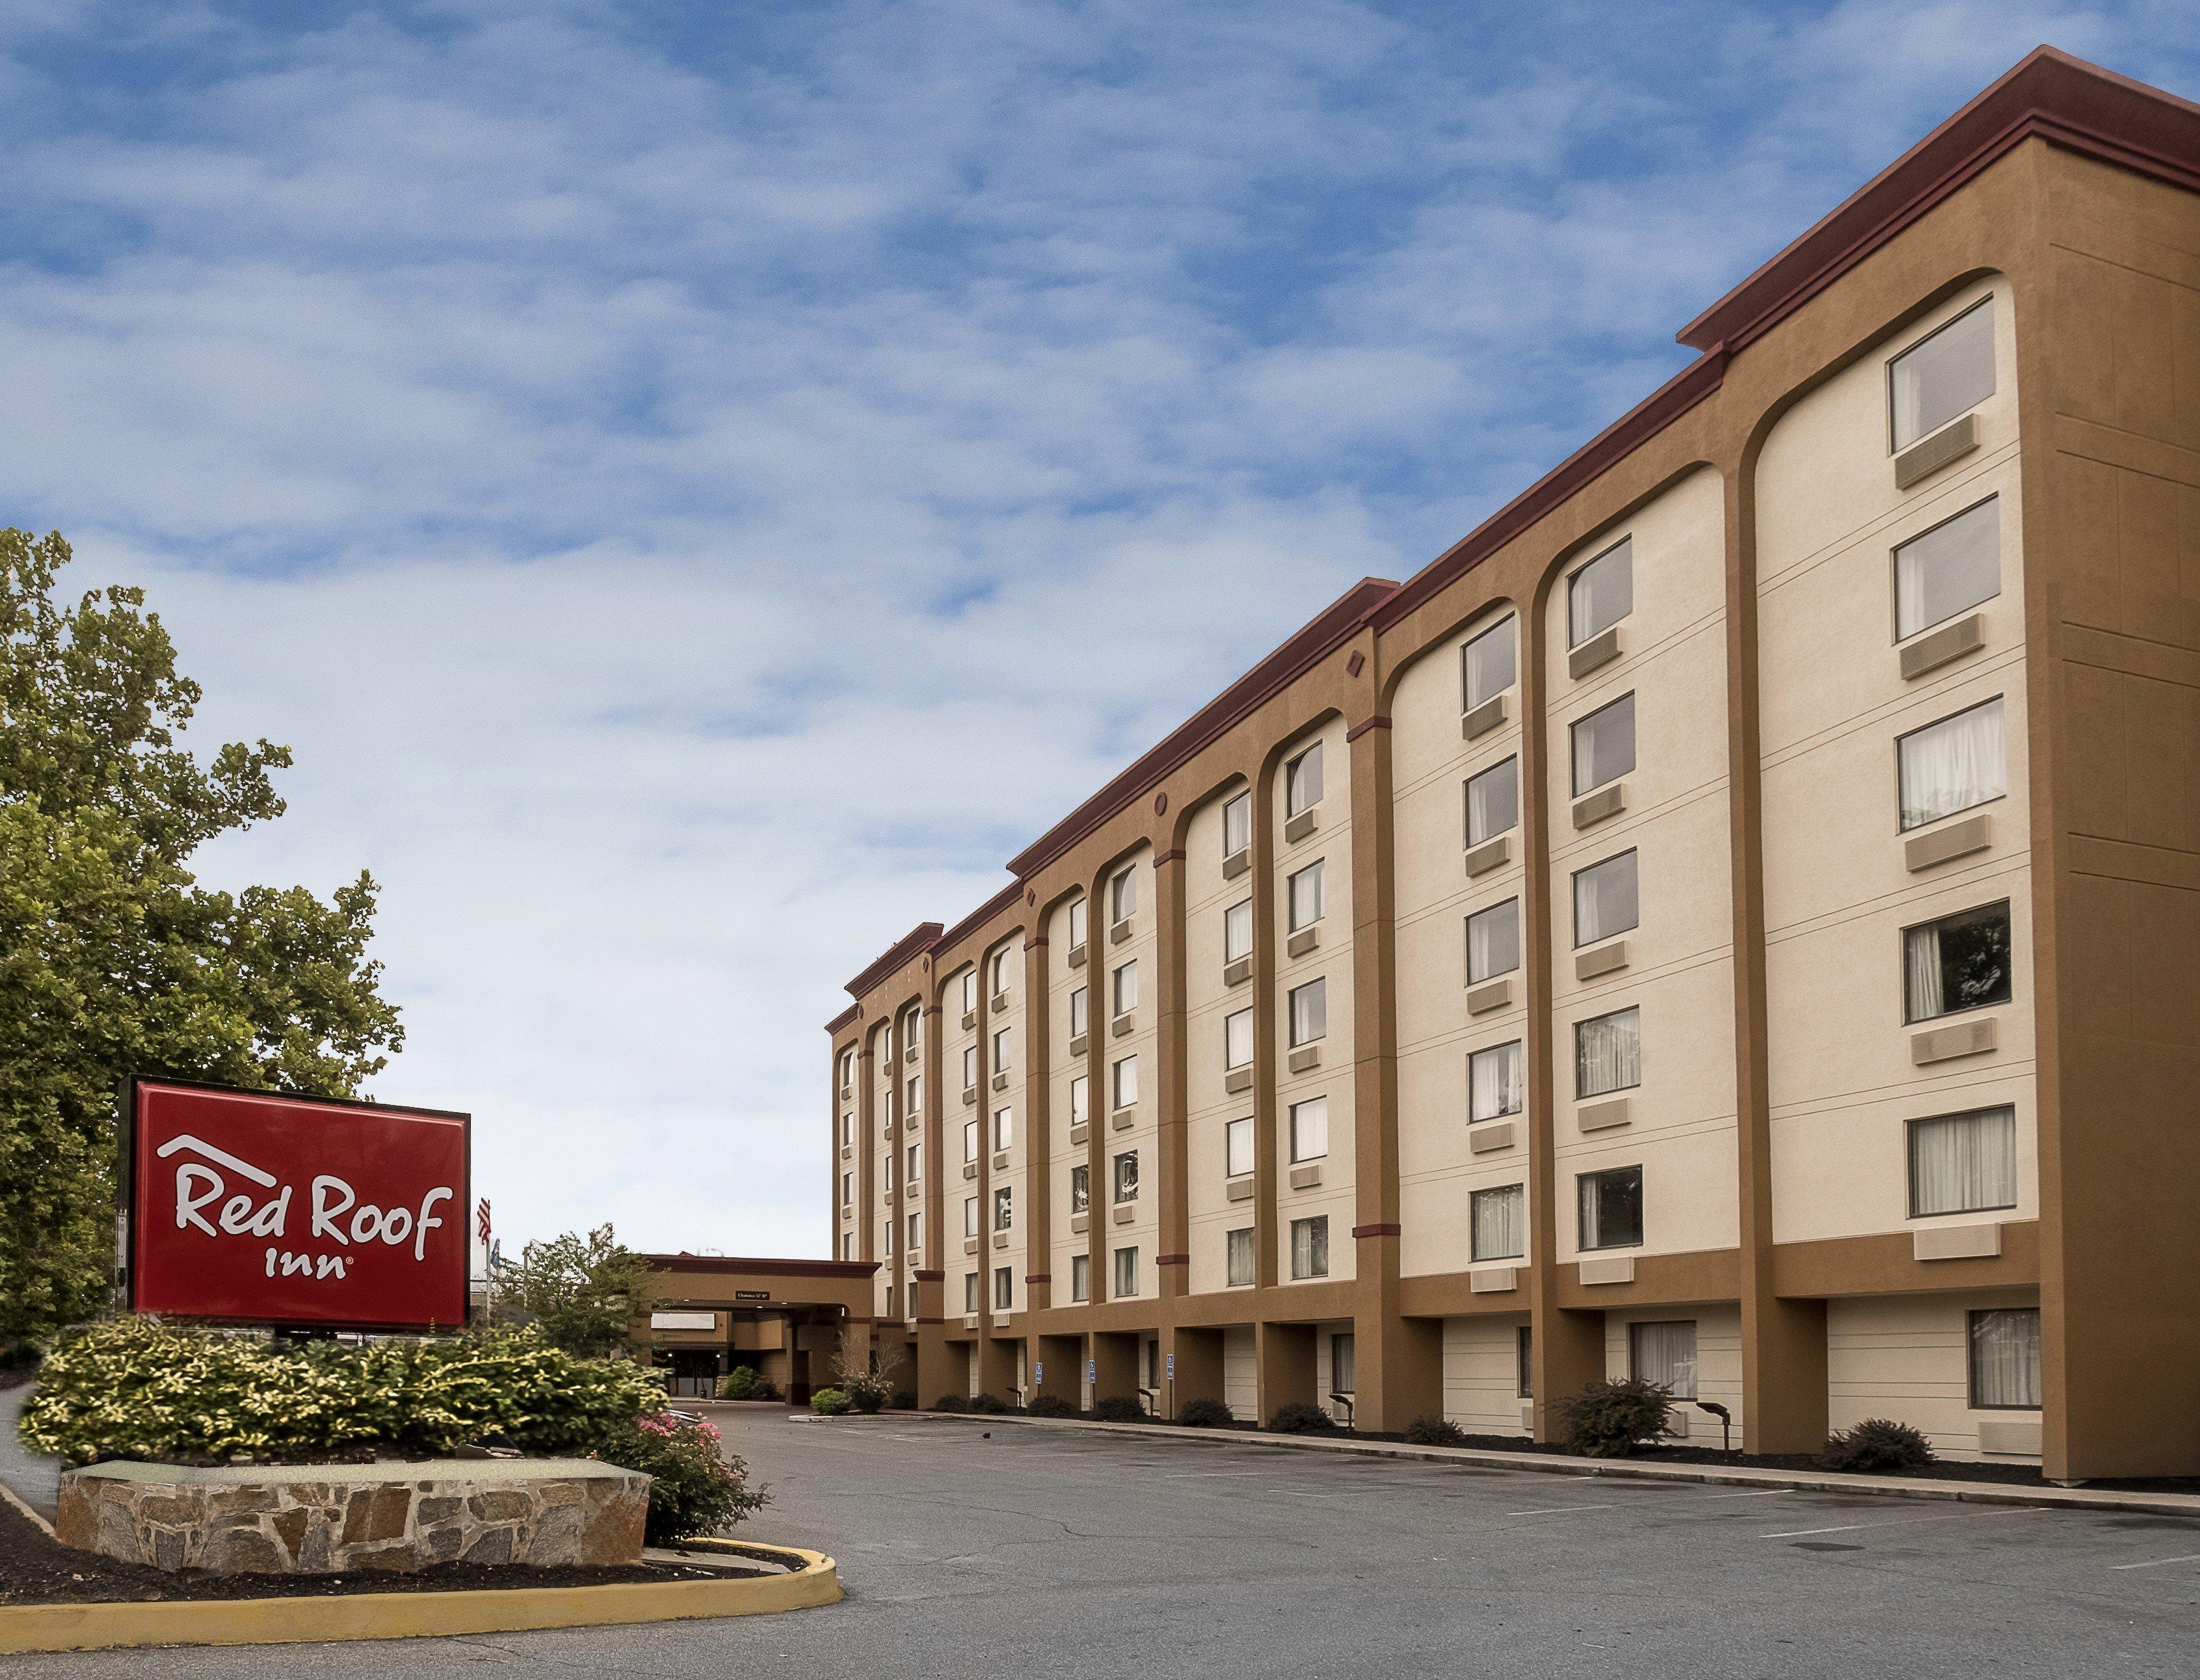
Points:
x=1306, y=896
x=970, y=1291
x=1077, y=1013
x=1127, y=1176
x=1603, y=899
x=847, y=1067
x=1080, y=1188
x=1951, y=765
x=1310, y=1247
x=1665, y=1354
x=969, y=1216
x=915, y=1233
x=1524, y=1363
x=1127, y=988
x=969, y=1140
x=1309, y=1013
x=1947, y=569
x=1341, y=1363
x=1239, y=1250
x=1237, y=1148
x=1004, y=1127
x=1303, y=782
x=847, y=1245
x=1492, y=802
x=1608, y=1053
x=970, y=1067
x=1004, y=1208
x=1498, y=1219
x=1961, y=962
x=1236, y=824
x=1493, y=942
x=1237, y=1041
x=1963, y=1163
x=1126, y=1272
x=1487, y=663
x=1001, y=970
x=1001, y=1050
x=1077, y=914
x=1611, y=1207
x=1080, y=1277
x=1125, y=1074
x=913, y=1096
x=1947, y=373
x=890, y=1236
x=915, y=1162
x=1492, y=1082
x=847, y=1189
x=1079, y=1100
x=2005, y=1359
x=1310, y=1129
x=1123, y=896
x=848, y=1128
x=1238, y=931
x=1604, y=745
x=1004, y=1288
x=969, y=990
x=1601, y=593
x=889, y=1170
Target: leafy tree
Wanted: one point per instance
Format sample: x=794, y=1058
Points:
x=583, y=1291
x=112, y=959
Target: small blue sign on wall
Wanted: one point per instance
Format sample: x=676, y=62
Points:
x=1091, y=1370
x=1172, y=1367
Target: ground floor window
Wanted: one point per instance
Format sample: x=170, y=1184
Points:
x=2005, y=1358
x=1341, y=1371
x=1665, y=1354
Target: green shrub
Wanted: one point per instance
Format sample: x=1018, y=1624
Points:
x=1205, y=1414
x=140, y=1388
x=1049, y=1406
x=1120, y=1408
x=767, y=1389
x=904, y=1400
x=1610, y=1420
x=1435, y=1432
x=738, y=1383
x=695, y=1487
x=829, y=1403
x=1877, y=1444
x=1297, y=1419
x=952, y=1403
x=991, y=1404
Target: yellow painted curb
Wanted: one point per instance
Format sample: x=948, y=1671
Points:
x=293, y=1621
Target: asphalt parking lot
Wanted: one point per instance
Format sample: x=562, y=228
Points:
x=1019, y=1551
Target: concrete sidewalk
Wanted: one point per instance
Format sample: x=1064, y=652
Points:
x=36, y=1481
x=1559, y=1464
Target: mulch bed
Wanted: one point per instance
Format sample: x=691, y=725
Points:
x=2018, y=1475
x=34, y=1570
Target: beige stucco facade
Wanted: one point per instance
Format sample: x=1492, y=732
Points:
x=1746, y=1028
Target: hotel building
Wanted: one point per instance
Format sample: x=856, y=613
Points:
x=1730, y=919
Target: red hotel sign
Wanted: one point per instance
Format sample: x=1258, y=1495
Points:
x=263, y=1209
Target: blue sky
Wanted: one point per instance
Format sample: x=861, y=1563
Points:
x=641, y=456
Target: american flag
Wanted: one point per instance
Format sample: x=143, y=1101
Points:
x=480, y=1220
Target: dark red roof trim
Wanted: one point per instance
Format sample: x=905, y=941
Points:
x=918, y=940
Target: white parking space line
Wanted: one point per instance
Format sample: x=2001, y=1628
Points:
x=1908, y=1522
x=2159, y=1563
x=1654, y=1499
x=1208, y=1475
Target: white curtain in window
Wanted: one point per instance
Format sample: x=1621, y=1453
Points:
x=1492, y=802
x=1499, y=1222
x=1604, y=745
x=1126, y=1082
x=1950, y=372
x=1952, y=765
x=1666, y=1354
x=1962, y=1163
x=1310, y=1129
x=1605, y=899
x=1309, y=1013
x=1948, y=569
x=1238, y=1039
x=1493, y=942
x=1490, y=663
x=1601, y=593
x=1237, y=1148
x=1608, y=1053
x=2005, y=1357
x=1494, y=1082
x=1238, y=931
x=1241, y=1258
x=1921, y=948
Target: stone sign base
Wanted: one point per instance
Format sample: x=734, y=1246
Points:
x=334, y=1520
